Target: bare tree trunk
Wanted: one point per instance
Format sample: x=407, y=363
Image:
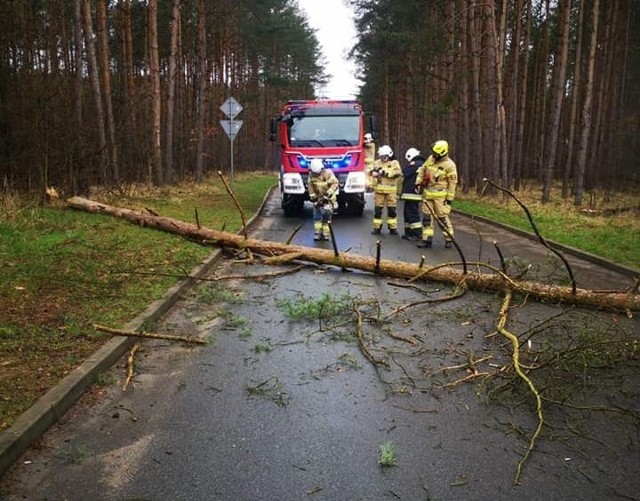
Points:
x=500, y=139
x=476, y=121
x=464, y=132
x=171, y=92
x=560, y=77
x=201, y=77
x=522, y=102
x=581, y=160
x=576, y=90
x=103, y=59
x=620, y=301
x=76, y=167
x=156, y=109
x=97, y=93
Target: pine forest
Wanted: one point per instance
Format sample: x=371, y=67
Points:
x=97, y=92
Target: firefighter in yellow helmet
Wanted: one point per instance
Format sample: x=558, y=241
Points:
x=323, y=192
x=436, y=181
x=384, y=173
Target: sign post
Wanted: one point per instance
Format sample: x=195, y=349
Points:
x=231, y=108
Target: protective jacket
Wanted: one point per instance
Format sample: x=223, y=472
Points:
x=322, y=185
x=388, y=173
x=438, y=179
x=369, y=153
x=409, y=175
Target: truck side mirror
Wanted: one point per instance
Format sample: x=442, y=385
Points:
x=273, y=129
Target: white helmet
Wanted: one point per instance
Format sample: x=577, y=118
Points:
x=385, y=151
x=316, y=166
x=411, y=154
x=368, y=138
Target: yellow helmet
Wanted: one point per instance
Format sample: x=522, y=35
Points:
x=440, y=149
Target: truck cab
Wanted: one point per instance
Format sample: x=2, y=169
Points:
x=331, y=130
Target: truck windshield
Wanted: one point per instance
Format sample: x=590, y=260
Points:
x=324, y=131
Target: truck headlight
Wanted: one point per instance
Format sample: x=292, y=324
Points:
x=292, y=183
x=356, y=182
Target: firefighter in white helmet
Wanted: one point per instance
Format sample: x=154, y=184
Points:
x=385, y=173
x=323, y=192
x=436, y=181
x=411, y=199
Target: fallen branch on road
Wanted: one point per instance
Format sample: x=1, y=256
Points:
x=150, y=335
x=616, y=301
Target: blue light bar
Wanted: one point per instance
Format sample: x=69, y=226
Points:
x=330, y=163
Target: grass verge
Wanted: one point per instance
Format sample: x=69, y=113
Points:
x=609, y=229
x=64, y=270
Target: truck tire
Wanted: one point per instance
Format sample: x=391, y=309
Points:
x=293, y=206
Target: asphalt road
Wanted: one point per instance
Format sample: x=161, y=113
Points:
x=276, y=408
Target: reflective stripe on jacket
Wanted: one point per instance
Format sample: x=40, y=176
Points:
x=324, y=184
x=442, y=178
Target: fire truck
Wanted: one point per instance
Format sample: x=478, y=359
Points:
x=331, y=130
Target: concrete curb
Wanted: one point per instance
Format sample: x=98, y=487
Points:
x=33, y=423
x=592, y=258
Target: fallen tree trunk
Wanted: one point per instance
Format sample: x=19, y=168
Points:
x=617, y=301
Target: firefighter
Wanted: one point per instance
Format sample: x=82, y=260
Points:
x=411, y=208
x=436, y=181
x=384, y=173
x=369, y=149
x=369, y=157
x=323, y=192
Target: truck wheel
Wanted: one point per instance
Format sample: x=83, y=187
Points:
x=293, y=206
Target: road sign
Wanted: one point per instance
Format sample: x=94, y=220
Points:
x=231, y=108
x=231, y=127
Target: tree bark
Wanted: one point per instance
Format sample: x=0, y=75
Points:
x=201, y=70
x=97, y=89
x=156, y=109
x=617, y=301
x=105, y=80
x=171, y=92
x=560, y=78
x=581, y=159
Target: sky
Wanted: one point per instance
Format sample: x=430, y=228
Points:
x=336, y=33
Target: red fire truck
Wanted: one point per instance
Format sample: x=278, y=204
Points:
x=330, y=130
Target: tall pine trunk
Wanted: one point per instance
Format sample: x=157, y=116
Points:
x=97, y=91
x=586, y=106
x=560, y=76
x=171, y=92
x=105, y=79
x=156, y=109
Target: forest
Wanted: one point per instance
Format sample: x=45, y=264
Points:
x=98, y=92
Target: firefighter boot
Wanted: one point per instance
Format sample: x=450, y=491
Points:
x=393, y=231
x=426, y=244
x=317, y=236
x=448, y=244
x=376, y=231
x=326, y=231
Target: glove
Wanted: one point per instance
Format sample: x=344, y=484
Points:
x=418, y=188
x=329, y=194
x=448, y=202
